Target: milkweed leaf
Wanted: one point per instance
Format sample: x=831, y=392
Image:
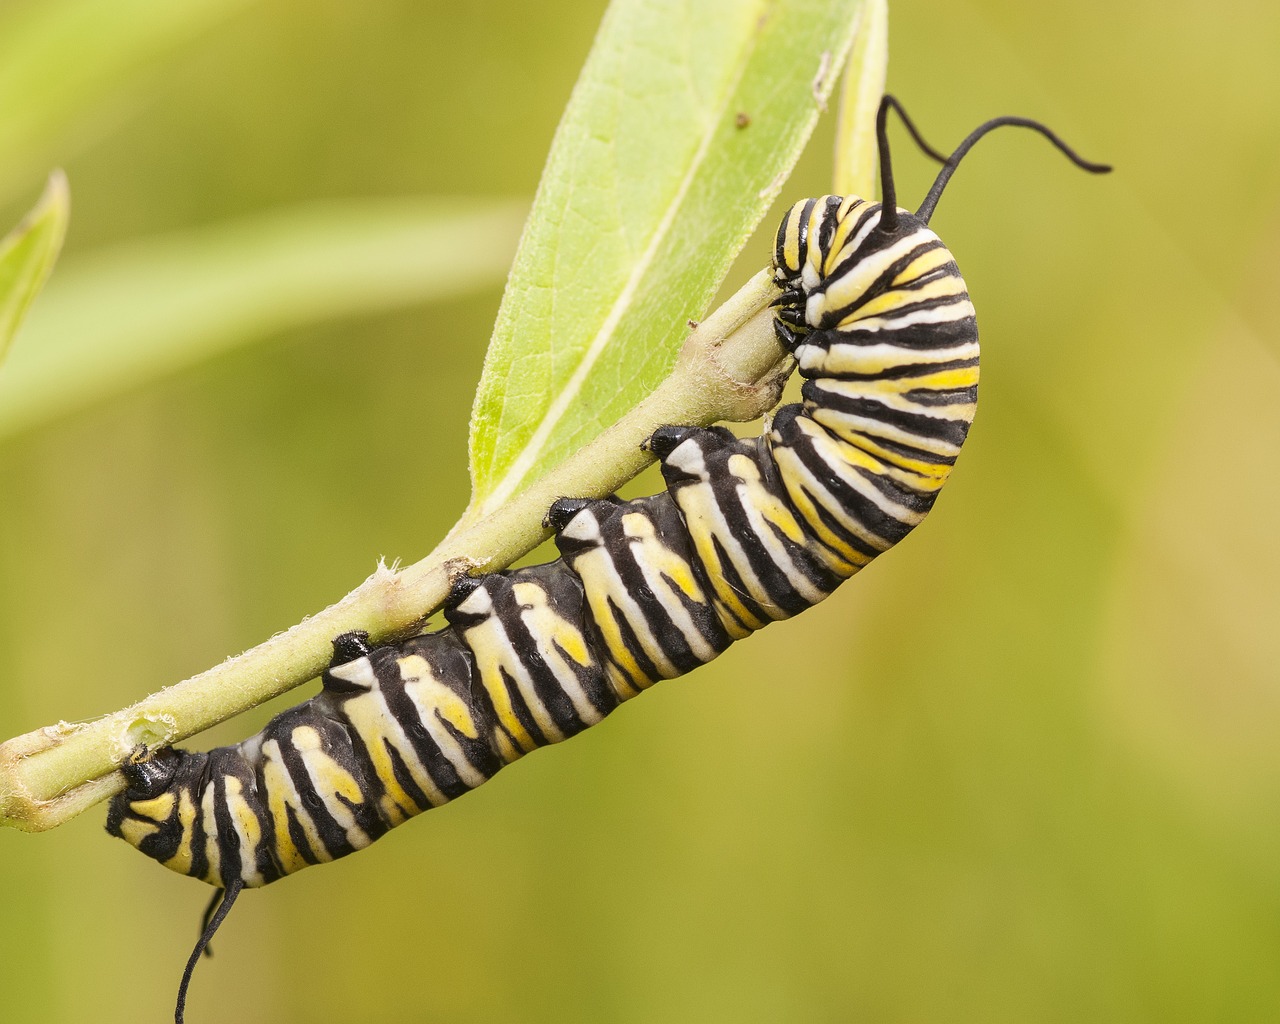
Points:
x=681, y=130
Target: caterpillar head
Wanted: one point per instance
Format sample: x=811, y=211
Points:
x=825, y=237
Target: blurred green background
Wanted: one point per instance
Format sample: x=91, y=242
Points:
x=1023, y=769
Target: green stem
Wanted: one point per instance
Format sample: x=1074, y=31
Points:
x=731, y=368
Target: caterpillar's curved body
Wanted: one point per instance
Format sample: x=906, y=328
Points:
x=747, y=532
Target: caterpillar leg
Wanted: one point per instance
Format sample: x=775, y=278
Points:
x=350, y=646
x=148, y=772
x=563, y=510
x=663, y=441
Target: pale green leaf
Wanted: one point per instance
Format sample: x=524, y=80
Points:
x=682, y=128
x=864, y=79
x=64, y=64
x=27, y=255
x=137, y=311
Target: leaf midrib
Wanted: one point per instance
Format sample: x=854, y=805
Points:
x=515, y=474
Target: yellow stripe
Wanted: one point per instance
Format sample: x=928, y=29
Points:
x=135, y=831
x=701, y=512
x=894, y=299
x=372, y=721
x=157, y=808
x=181, y=859
x=248, y=827
x=490, y=659
x=922, y=265
x=596, y=570
x=274, y=779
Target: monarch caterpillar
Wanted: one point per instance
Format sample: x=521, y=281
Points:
x=873, y=307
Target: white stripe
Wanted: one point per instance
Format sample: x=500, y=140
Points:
x=359, y=672
x=514, y=664
x=631, y=612
x=934, y=315
x=851, y=357
x=293, y=798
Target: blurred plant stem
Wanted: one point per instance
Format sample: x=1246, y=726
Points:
x=856, y=157
x=730, y=368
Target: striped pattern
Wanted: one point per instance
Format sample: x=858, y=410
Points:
x=748, y=531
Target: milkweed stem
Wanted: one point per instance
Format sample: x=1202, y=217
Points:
x=731, y=368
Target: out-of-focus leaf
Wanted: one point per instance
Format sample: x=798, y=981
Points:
x=27, y=255
x=137, y=311
x=682, y=128
x=864, y=78
x=60, y=58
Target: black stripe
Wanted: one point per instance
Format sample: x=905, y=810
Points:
x=400, y=769
x=494, y=587
x=230, y=868
x=906, y=451
x=840, y=530
x=787, y=434
x=298, y=834
x=731, y=577
x=908, y=497
x=371, y=785
x=669, y=526
x=656, y=619
x=827, y=225
x=339, y=739
x=871, y=243
x=802, y=233
x=942, y=397
x=952, y=431
x=921, y=336
x=519, y=708
x=453, y=664
x=929, y=277
x=805, y=561
x=199, y=834
x=703, y=614
x=904, y=310
x=876, y=241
